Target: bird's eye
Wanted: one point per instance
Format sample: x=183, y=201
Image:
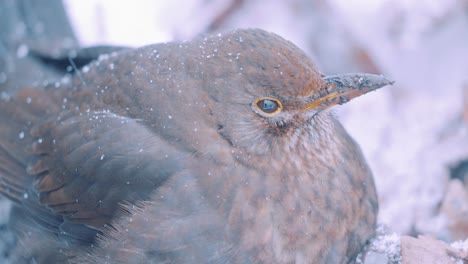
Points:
x=268, y=105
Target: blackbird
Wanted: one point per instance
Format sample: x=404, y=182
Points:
x=216, y=150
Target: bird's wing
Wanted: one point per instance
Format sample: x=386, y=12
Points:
x=71, y=59
x=79, y=167
x=87, y=164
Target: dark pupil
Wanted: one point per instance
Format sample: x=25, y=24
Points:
x=268, y=106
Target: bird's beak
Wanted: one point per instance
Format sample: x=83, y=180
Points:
x=342, y=88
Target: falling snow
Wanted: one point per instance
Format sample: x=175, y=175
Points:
x=402, y=130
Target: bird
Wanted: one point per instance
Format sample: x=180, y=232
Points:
x=222, y=149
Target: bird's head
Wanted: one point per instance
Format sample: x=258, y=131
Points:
x=268, y=92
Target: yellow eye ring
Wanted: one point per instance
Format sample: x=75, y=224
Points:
x=268, y=106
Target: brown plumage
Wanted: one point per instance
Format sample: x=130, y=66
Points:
x=216, y=150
